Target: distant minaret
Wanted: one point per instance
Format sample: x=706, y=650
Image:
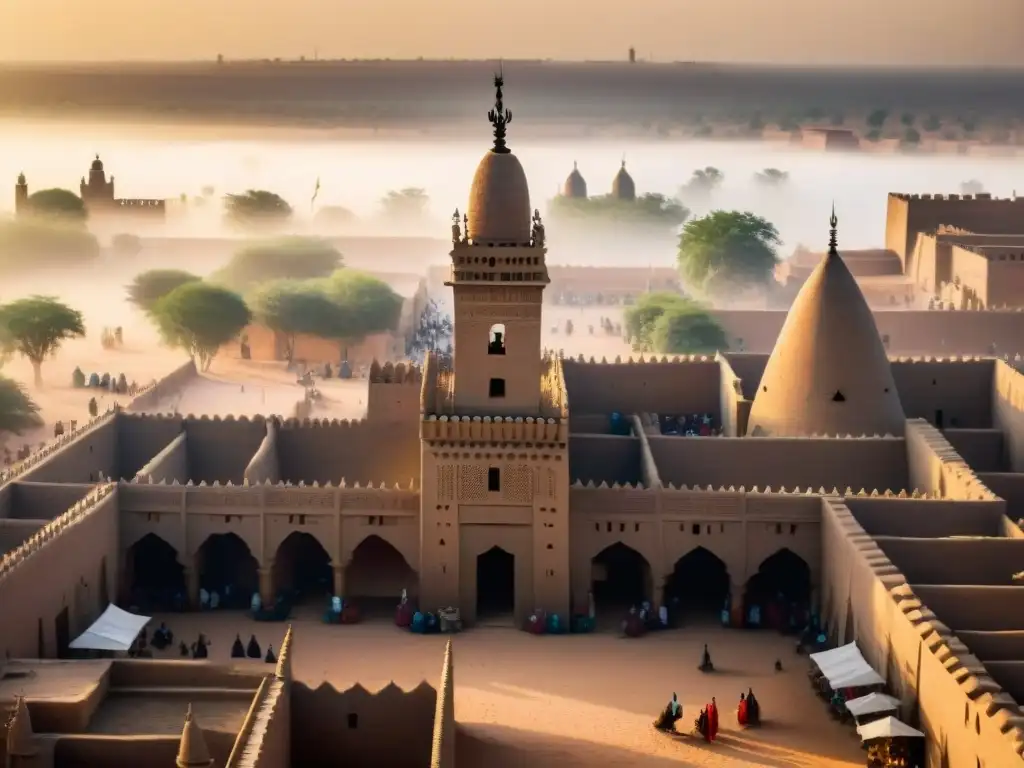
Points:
x=632, y=55
x=21, y=194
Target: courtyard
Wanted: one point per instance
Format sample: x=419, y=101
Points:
x=578, y=700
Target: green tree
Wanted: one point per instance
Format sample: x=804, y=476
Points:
x=877, y=118
x=908, y=119
x=200, y=318
x=334, y=216
x=57, y=203
x=371, y=303
x=640, y=318
x=18, y=412
x=149, y=287
x=33, y=243
x=405, y=204
x=687, y=330
x=771, y=177
x=256, y=207
x=912, y=137
x=728, y=249
x=647, y=211
x=36, y=327
x=704, y=180
x=291, y=308
x=286, y=258
x=932, y=123
x=126, y=245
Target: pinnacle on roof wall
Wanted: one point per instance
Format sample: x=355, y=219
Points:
x=21, y=739
x=192, y=750
x=283, y=671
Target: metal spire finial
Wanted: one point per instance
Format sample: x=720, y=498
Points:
x=833, y=222
x=499, y=116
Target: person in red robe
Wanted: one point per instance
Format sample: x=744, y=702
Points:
x=741, y=712
x=712, y=719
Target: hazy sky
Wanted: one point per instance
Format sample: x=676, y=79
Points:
x=952, y=32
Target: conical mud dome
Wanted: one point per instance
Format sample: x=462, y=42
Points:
x=829, y=373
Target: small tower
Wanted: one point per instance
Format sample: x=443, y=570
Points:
x=192, y=751
x=21, y=739
x=632, y=55
x=21, y=195
x=623, y=187
x=498, y=278
x=575, y=185
x=98, y=190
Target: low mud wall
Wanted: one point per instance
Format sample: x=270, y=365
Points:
x=150, y=397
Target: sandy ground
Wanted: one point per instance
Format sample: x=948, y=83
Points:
x=575, y=700
x=247, y=388
x=581, y=342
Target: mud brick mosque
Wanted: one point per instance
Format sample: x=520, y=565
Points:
x=505, y=480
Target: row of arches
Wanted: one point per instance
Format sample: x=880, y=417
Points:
x=621, y=577
x=225, y=564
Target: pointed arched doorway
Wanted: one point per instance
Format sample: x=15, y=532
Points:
x=227, y=566
x=302, y=569
x=376, y=576
x=780, y=591
x=155, y=578
x=697, y=586
x=495, y=587
x=620, y=579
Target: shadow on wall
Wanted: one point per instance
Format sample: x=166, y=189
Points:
x=977, y=562
x=219, y=450
x=670, y=387
x=927, y=518
x=361, y=726
x=357, y=451
x=869, y=463
x=605, y=458
x=44, y=501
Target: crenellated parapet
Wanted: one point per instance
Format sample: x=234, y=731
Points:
x=391, y=373
x=939, y=197
x=13, y=472
x=957, y=480
x=650, y=360
x=493, y=429
x=996, y=712
x=696, y=490
x=56, y=527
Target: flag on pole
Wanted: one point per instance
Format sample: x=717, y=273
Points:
x=316, y=191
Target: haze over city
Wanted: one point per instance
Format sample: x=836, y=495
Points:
x=801, y=32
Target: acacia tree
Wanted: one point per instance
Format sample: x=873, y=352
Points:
x=372, y=303
x=286, y=258
x=200, y=318
x=405, y=204
x=293, y=308
x=57, y=203
x=640, y=318
x=771, y=177
x=18, y=411
x=149, y=287
x=256, y=207
x=687, y=330
x=726, y=250
x=36, y=327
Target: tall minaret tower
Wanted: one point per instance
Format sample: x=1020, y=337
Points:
x=498, y=279
x=21, y=195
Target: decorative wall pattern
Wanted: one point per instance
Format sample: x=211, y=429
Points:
x=518, y=483
x=446, y=483
x=472, y=482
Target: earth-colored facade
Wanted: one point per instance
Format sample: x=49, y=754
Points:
x=554, y=477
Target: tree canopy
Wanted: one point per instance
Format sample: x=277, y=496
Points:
x=35, y=328
x=334, y=216
x=771, y=177
x=57, y=203
x=405, y=204
x=292, y=308
x=18, y=412
x=256, y=207
x=149, y=287
x=702, y=183
x=27, y=244
x=669, y=323
x=728, y=250
x=200, y=318
x=650, y=210
x=286, y=258
x=371, y=302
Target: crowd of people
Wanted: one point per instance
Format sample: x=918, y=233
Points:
x=706, y=725
x=163, y=638
x=691, y=425
x=434, y=333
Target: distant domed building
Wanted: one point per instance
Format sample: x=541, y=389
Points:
x=623, y=187
x=575, y=185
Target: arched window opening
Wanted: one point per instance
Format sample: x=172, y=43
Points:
x=227, y=567
x=698, y=584
x=302, y=569
x=376, y=576
x=778, y=596
x=620, y=580
x=496, y=340
x=156, y=580
x=495, y=586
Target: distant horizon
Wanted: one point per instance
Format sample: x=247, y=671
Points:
x=724, y=64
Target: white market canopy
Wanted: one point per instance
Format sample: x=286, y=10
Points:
x=872, y=704
x=857, y=678
x=888, y=728
x=115, y=630
x=835, y=657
